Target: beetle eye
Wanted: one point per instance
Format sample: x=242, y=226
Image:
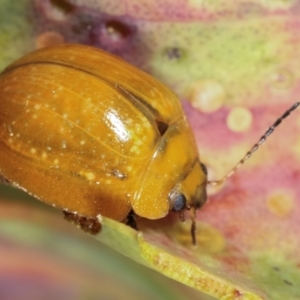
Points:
x=162, y=127
x=204, y=169
x=179, y=202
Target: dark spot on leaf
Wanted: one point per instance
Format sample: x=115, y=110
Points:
x=63, y=6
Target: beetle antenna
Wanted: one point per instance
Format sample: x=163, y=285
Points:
x=255, y=147
x=193, y=226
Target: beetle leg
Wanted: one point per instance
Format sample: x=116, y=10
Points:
x=4, y=180
x=131, y=221
x=87, y=224
x=193, y=227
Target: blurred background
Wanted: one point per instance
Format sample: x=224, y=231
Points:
x=235, y=66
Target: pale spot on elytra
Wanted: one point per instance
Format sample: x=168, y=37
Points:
x=88, y=175
x=129, y=168
x=33, y=150
x=135, y=149
x=64, y=144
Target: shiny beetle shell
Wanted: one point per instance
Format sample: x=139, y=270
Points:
x=85, y=131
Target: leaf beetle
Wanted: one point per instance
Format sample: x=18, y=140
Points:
x=82, y=130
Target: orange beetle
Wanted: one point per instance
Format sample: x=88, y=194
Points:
x=85, y=131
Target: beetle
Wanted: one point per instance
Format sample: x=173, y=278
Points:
x=83, y=130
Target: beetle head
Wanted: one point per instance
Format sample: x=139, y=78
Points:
x=190, y=193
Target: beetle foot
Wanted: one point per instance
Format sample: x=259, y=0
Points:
x=87, y=224
x=131, y=221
